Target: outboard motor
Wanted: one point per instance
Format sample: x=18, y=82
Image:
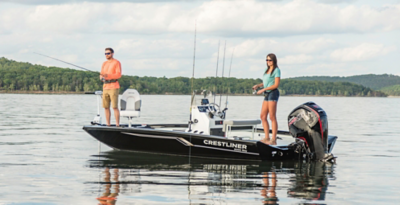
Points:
x=309, y=123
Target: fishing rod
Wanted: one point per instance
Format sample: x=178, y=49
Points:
x=216, y=72
x=230, y=67
x=194, y=58
x=63, y=62
x=102, y=79
x=193, y=92
x=222, y=78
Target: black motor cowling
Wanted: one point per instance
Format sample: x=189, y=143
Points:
x=309, y=122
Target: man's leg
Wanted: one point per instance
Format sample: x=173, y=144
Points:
x=108, y=113
x=106, y=105
x=114, y=103
x=116, y=114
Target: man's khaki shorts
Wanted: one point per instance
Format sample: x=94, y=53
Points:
x=110, y=95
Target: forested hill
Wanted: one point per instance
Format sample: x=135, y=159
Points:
x=25, y=77
x=376, y=82
x=392, y=90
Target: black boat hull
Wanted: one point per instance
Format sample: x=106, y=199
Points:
x=173, y=142
x=187, y=144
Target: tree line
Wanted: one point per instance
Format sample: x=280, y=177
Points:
x=18, y=76
x=376, y=82
x=392, y=90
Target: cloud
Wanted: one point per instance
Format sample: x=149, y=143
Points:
x=296, y=59
x=220, y=18
x=49, y=2
x=292, y=18
x=336, y=1
x=263, y=46
x=362, y=52
x=156, y=38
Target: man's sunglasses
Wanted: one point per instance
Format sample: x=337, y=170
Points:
x=107, y=54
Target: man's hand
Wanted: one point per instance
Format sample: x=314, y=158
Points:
x=103, y=76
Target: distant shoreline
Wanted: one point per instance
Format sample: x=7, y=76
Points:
x=40, y=92
x=80, y=93
x=38, y=79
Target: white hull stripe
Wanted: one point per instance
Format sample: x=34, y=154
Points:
x=251, y=153
x=187, y=143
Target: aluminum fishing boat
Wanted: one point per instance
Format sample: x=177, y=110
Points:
x=209, y=134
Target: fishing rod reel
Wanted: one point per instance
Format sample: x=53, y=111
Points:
x=256, y=90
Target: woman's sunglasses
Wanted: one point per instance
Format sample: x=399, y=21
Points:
x=268, y=60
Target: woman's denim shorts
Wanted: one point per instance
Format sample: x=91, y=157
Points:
x=273, y=95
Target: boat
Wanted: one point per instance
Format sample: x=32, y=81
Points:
x=208, y=134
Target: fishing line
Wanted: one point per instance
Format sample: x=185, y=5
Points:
x=72, y=65
x=64, y=62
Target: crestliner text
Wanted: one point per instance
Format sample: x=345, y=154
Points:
x=225, y=144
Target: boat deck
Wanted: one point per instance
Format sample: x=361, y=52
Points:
x=283, y=138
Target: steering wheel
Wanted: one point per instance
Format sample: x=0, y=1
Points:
x=215, y=110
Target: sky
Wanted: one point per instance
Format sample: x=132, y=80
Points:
x=156, y=37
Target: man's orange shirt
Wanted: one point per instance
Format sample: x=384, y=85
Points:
x=113, y=69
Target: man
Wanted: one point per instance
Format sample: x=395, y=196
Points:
x=110, y=73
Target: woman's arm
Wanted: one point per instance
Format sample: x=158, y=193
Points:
x=272, y=87
x=257, y=86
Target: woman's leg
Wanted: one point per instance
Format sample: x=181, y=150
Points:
x=263, y=116
x=272, y=116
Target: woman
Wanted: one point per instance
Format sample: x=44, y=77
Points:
x=270, y=84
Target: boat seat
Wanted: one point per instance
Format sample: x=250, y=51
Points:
x=228, y=124
x=130, y=104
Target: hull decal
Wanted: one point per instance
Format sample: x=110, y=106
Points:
x=184, y=142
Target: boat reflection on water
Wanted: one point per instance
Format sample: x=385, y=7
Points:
x=208, y=180
x=311, y=181
x=111, y=187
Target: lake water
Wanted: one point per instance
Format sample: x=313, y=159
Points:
x=46, y=157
